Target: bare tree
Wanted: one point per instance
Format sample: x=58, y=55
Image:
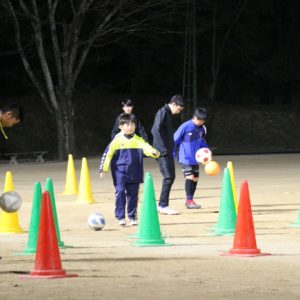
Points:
x=218, y=45
x=54, y=38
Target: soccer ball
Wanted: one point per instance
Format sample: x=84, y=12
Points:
x=96, y=221
x=10, y=201
x=212, y=168
x=203, y=156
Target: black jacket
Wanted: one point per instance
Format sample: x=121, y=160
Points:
x=139, y=130
x=162, y=131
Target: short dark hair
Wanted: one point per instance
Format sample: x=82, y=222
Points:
x=127, y=102
x=15, y=109
x=178, y=100
x=126, y=119
x=200, y=113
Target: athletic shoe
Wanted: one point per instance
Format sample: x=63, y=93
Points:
x=122, y=222
x=133, y=222
x=167, y=210
x=191, y=204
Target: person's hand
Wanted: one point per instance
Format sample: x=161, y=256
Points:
x=156, y=153
x=102, y=174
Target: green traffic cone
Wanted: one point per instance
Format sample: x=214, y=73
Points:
x=149, y=233
x=227, y=214
x=50, y=189
x=297, y=224
x=34, y=220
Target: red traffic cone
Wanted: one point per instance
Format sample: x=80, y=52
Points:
x=47, y=259
x=244, y=239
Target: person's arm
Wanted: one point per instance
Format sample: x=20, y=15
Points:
x=116, y=128
x=148, y=150
x=204, y=143
x=157, y=132
x=106, y=158
x=178, y=137
x=141, y=131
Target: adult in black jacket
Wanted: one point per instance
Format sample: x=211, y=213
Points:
x=127, y=106
x=163, y=141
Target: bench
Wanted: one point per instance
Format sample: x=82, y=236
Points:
x=38, y=155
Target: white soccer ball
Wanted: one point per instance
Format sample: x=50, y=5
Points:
x=203, y=156
x=10, y=201
x=96, y=221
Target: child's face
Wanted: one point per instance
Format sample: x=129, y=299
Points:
x=127, y=109
x=198, y=122
x=128, y=128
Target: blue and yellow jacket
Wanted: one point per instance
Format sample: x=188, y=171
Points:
x=125, y=156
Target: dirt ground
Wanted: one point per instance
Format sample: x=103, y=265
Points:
x=109, y=266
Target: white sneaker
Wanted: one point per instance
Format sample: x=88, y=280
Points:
x=133, y=222
x=167, y=210
x=122, y=222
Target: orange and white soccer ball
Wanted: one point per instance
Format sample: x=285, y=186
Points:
x=203, y=156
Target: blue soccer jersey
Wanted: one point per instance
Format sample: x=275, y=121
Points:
x=189, y=138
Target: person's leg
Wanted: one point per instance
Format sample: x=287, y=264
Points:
x=120, y=195
x=191, y=174
x=132, y=200
x=167, y=169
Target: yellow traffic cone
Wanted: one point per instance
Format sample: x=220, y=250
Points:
x=9, y=222
x=71, y=187
x=85, y=192
x=230, y=168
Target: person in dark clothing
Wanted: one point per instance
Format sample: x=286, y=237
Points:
x=10, y=115
x=127, y=106
x=162, y=131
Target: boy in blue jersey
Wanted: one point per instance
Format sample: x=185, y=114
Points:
x=190, y=137
x=125, y=156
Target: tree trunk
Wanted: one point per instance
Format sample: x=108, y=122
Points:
x=65, y=127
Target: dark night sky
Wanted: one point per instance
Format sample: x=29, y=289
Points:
x=260, y=61
x=259, y=64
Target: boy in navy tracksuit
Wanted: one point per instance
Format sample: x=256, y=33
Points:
x=125, y=155
x=190, y=137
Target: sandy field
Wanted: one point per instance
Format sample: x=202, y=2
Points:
x=110, y=266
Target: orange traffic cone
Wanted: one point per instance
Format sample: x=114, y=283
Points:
x=244, y=240
x=47, y=259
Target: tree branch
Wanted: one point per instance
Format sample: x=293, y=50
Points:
x=23, y=56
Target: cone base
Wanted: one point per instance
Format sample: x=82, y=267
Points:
x=65, y=246
x=31, y=276
x=27, y=251
x=12, y=230
x=85, y=201
x=221, y=231
x=151, y=243
x=245, y=253
x=62, y=245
